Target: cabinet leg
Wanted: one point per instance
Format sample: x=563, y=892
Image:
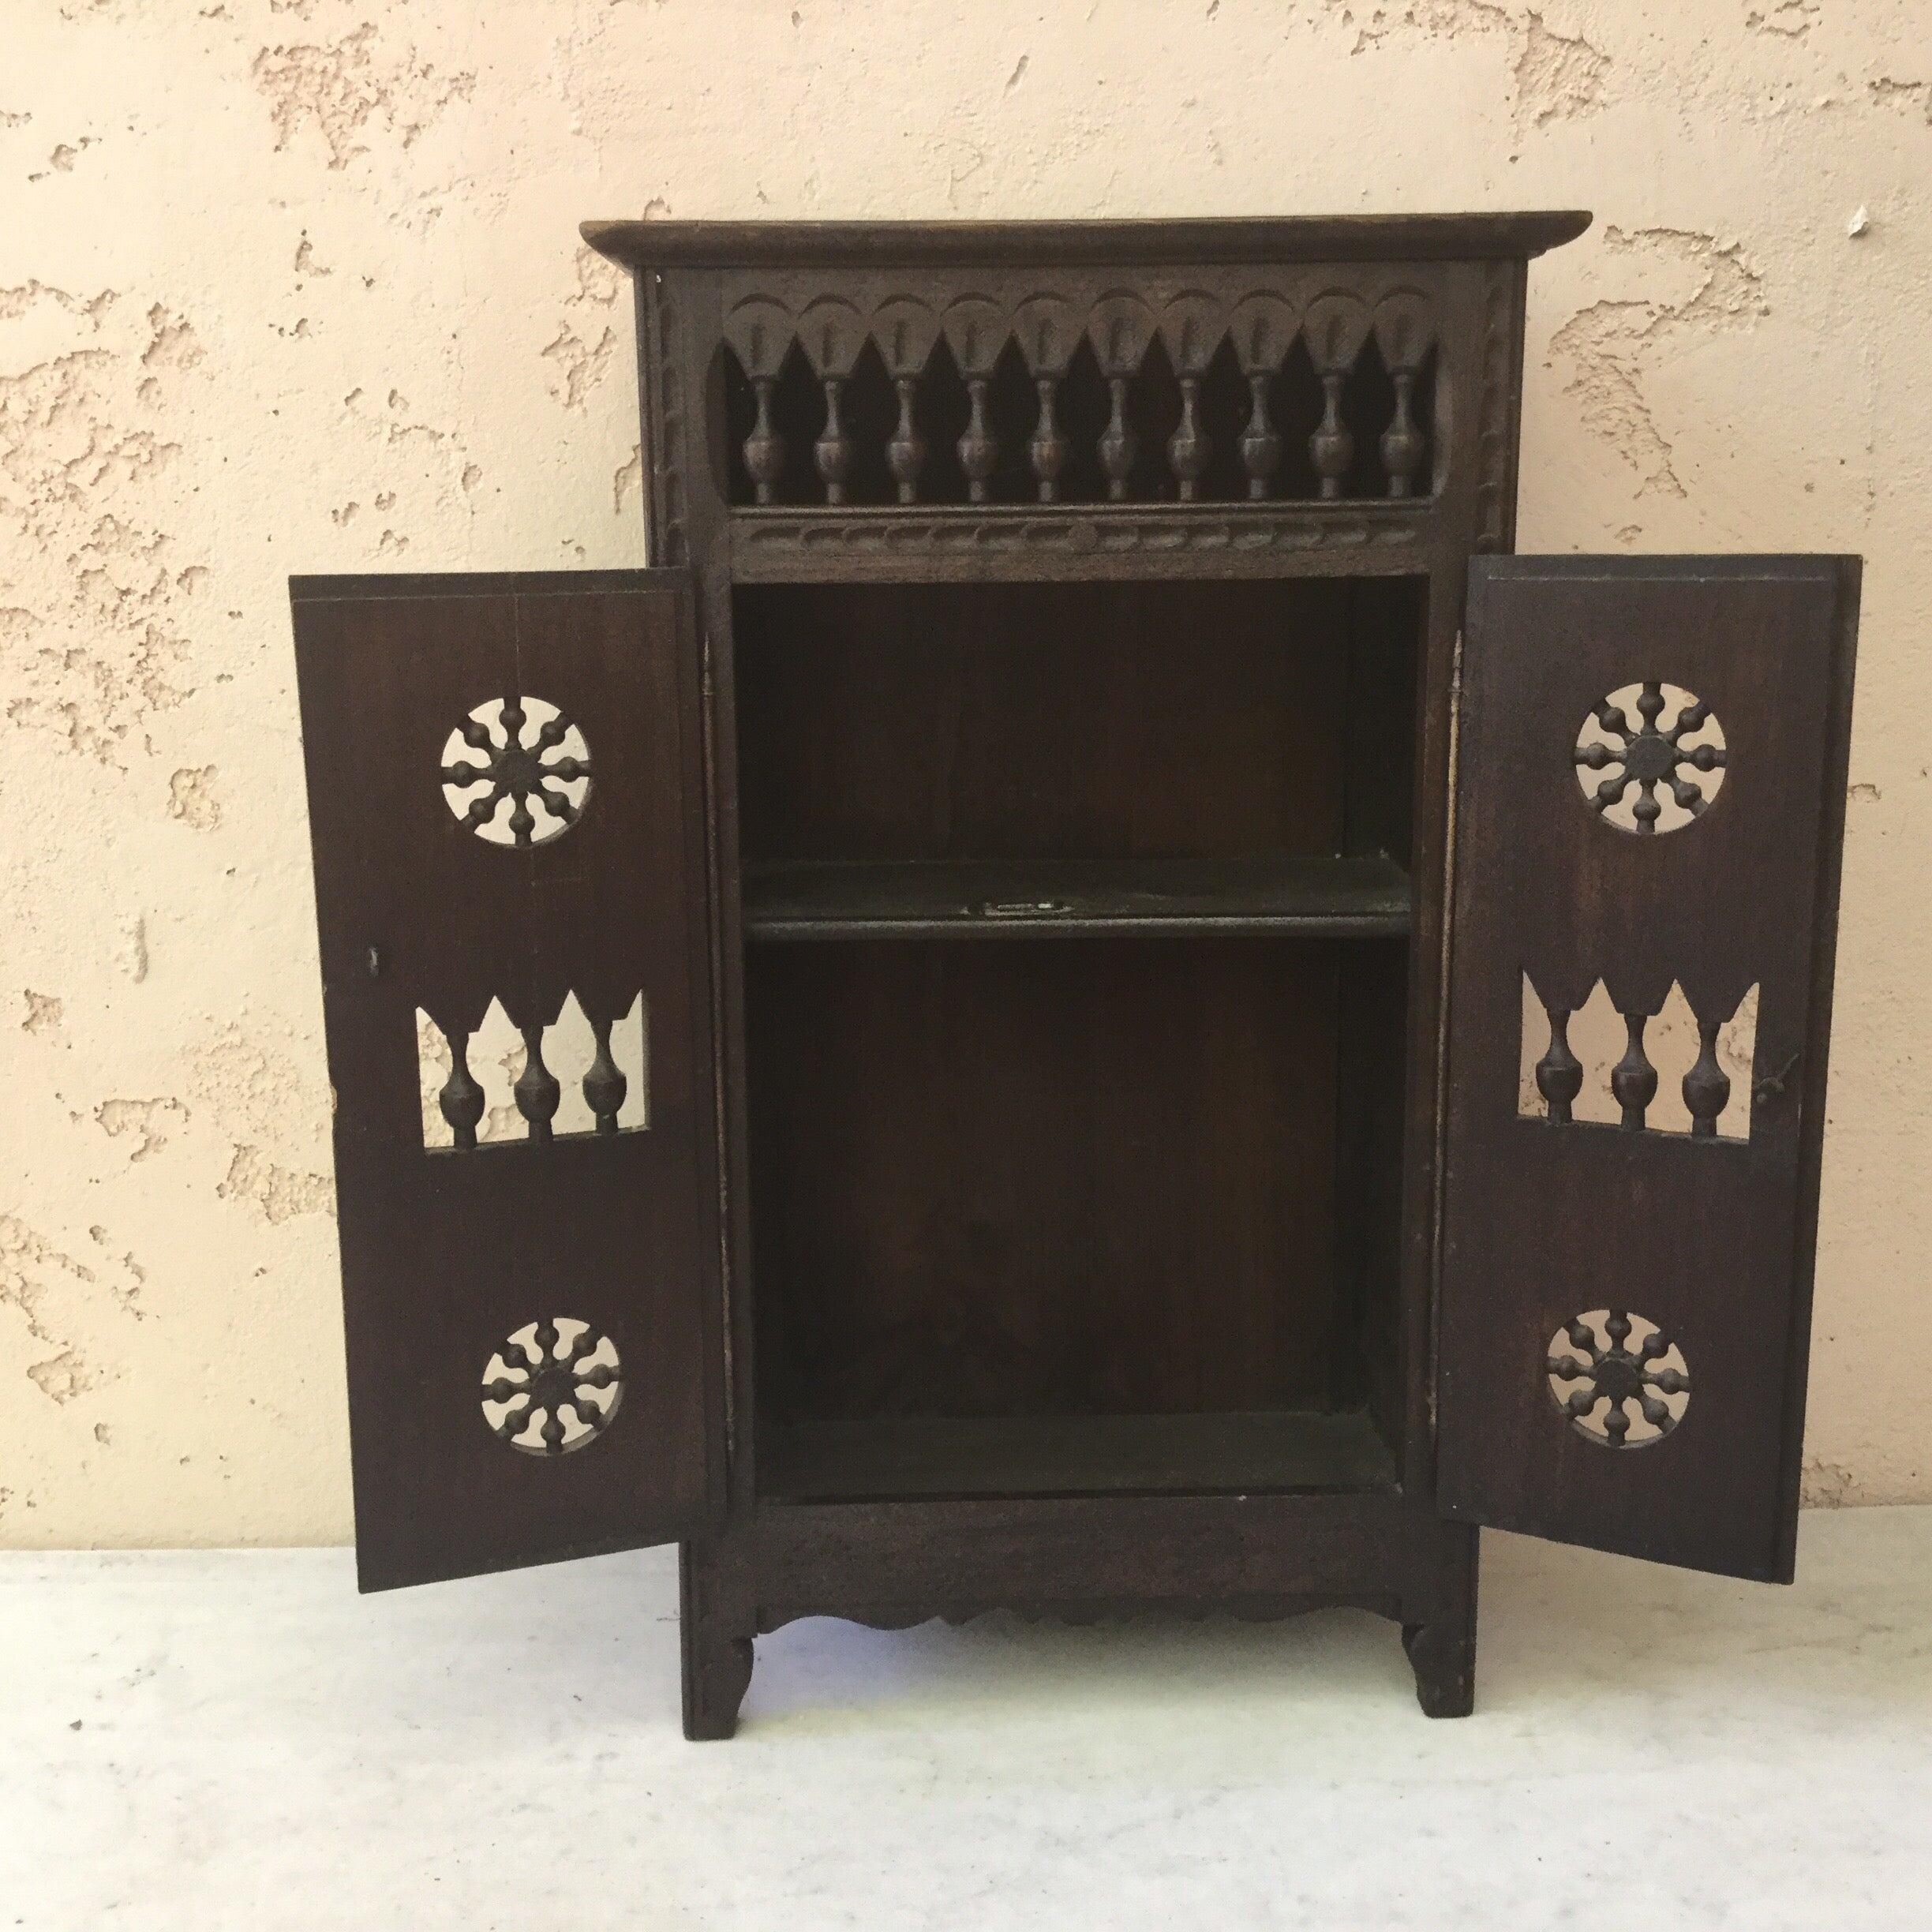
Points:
x=717, y=1650
x=1442, y=1643
x=1443, y=1655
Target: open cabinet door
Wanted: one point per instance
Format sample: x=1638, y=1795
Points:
x=1649, y=799
x=505, y=790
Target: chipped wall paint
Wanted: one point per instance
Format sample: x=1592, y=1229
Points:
x=294, y=285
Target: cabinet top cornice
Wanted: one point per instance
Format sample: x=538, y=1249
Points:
x=1512, y=235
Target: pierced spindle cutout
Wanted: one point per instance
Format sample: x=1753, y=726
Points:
x=1650, y=758
x=553, y=1387
x=1674, y=1071
x=1245, y=387
x=516, y=772
x=588, y=1076
x=1617, y=1378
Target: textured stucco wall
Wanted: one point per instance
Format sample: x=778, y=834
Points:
x=294, y=284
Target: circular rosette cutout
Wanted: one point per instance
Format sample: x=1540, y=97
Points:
x=516, y=772
x=553, y=1387
x=1617, y=1378
x=1650, y=758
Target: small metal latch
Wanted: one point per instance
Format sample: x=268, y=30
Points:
x=1021, y=908
x=1773, y=1084
x=375, y=962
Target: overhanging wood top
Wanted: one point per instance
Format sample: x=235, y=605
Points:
x=1516, y=235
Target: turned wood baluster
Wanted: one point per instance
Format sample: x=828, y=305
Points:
x=1121, y=326
x=977, y=452
x=1331, y=447
x=461, y=1100
x=1335, y=328
x=1187, y=448
x=537, y=1091
x=1402, y=326
x=604, y=1082
x=1193, y=325
x=832, y=333
x=763, y=448
x=977, y=328
x=1634, y=1079
x=833, y=452
x=905, y=329
x=1401, y=441
x=1558, y=1073
x=1260, y=443
x=1261, y=327
x=1707, y=1087
x=905, y=454
x=1045, y=328
x=1118, y=446
x=761, y=331
x=1048, y=450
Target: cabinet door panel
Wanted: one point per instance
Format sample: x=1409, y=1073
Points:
x=1650, y=761
x=506, y=801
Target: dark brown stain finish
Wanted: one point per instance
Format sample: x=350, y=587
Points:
x=447, y=1253
x=1085, y=1172
x=1546, y=1219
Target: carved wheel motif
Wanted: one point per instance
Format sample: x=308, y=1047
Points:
x=1618, y=1378
x=554, y=1386
x=1674, y=771
x=534, y=776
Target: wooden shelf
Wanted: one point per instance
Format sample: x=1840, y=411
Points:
x=1073, y=1455
x=1340, y=897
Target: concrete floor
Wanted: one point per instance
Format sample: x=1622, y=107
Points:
x=194, y=1741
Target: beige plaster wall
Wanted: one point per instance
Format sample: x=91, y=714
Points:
x=294, y=284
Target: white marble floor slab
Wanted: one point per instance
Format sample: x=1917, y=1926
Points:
x=206, y=1741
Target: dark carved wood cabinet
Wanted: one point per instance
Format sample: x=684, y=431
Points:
x=998, y=1029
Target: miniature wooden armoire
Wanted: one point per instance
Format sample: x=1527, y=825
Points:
x=1032, y=956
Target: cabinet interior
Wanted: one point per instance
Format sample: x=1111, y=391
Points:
x=1076, y=971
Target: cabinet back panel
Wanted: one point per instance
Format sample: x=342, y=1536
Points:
x=1082, y=720
x=1371, y=1087
x=1095, y=1177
